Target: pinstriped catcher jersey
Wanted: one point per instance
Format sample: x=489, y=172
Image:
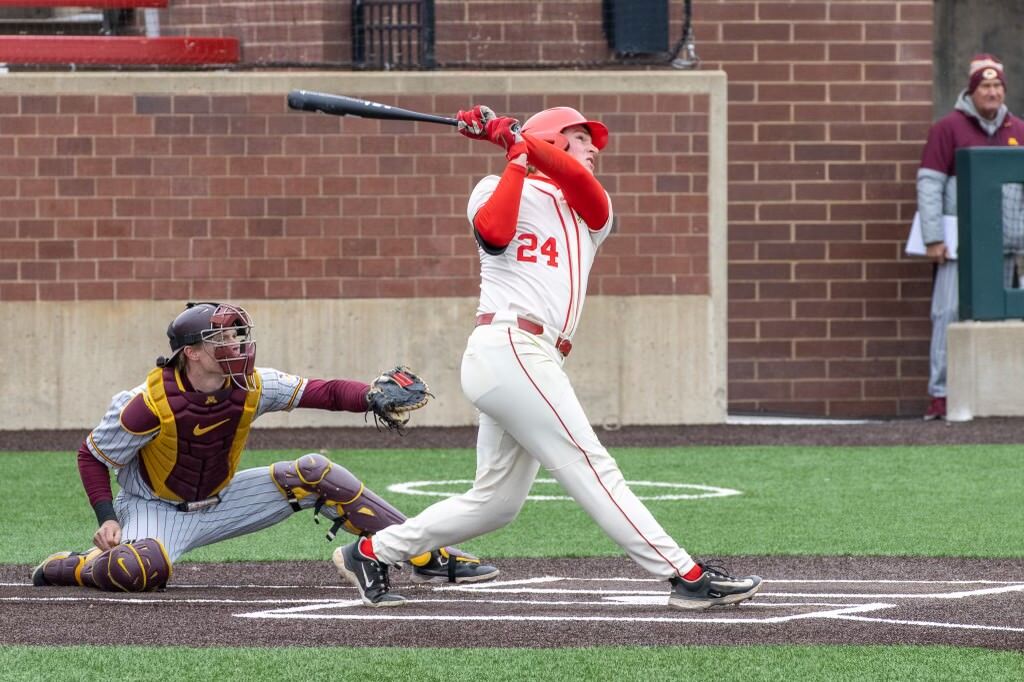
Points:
x=139, y=434
x=543, y=273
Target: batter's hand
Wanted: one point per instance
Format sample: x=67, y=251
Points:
x=108, y=535
x=505, y=132
x=473, y=123
x=937, y=252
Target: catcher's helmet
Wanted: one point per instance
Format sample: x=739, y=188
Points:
x=549, y=124
x=227, y=328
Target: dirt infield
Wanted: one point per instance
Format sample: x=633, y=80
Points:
x=538, y=603
x=890, y=432
x=550, y=603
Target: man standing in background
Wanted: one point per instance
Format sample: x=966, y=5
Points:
x=979, y=119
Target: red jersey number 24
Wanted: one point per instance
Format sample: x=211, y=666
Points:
x=527, y=250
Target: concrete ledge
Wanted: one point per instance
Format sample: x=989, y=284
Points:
x=985, y=370
x=80, y=354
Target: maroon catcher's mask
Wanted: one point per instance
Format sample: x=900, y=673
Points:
x=234, y=347
x=227, y=329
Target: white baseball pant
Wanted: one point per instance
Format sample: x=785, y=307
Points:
x=530, y=416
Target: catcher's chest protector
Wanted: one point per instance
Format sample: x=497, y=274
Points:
x=201, y=436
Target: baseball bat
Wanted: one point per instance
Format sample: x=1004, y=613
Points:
x=340, y=105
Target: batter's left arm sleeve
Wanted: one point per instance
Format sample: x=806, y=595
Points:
x=338, y=395
x=579, y=186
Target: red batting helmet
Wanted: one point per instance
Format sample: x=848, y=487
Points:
x=211, y=323
x=549, y=124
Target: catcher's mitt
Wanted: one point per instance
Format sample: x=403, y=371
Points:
x=393, y=395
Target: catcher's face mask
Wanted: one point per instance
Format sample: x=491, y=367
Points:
x=230, y=337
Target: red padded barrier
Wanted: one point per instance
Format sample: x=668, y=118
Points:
x=117, y=50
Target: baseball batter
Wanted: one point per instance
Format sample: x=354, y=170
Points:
x=175, y=442
x=538, y=229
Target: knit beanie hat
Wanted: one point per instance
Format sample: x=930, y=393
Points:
x=985, y=67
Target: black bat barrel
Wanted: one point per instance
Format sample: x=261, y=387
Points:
x=340, y=105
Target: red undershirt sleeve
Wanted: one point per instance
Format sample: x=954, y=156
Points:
x=338, y=395
x=579, y=186
x=496, y=220
x=95, y=476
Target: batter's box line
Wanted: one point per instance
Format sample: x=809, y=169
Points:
x=810, y=581
x=303, y=613
x=929, y=623
x=525, y=587
x=848, y=613
x=177, y=600
x=763, y=593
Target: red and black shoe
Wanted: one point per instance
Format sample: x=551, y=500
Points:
x=936, y=409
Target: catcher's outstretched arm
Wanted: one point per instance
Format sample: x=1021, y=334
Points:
x=339, y=395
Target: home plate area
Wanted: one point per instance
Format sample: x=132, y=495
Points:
x=642, y=600
x=557, y=603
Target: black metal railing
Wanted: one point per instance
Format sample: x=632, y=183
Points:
x=393, y=34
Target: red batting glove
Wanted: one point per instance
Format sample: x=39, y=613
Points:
x=473, y=123
x=504, y=132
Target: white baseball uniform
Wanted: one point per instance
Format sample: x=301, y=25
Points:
x=529, y=413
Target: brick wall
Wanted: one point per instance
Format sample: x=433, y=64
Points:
x=232, y=196
x=270, y=31
x=829, y=105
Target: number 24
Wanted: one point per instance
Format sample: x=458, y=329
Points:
x=525, y=251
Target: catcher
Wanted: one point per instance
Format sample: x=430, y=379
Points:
x=175, y=441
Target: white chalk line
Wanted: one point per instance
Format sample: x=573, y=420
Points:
x=929, y=623
x=648, y=598
x=313, y=609
x=706, y=491
x=683, y=617
x=544, y=579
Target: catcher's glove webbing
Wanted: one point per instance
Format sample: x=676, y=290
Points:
x=393, y=395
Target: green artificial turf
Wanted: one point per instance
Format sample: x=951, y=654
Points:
x=890, y=501
x=620, y=664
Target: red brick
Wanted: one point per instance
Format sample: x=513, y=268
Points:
x=827, y=390
x=793, y=329
x=828, y=271
x=860, y=92
x=862, y=53
x=792, y=211
x=18, y=291
x=790, y=369
x=759, y=390
x=901, y=31
x=857, y=329
x=757, y=32
x=853, y=10
x=801, y=92
x=802, y=132
x=829, y=349
x=791, y=291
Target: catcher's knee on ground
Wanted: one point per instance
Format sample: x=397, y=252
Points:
x=137, y=566
x=359, y=509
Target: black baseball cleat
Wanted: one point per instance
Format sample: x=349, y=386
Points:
x=368, y=576
x=452, y=565
x=713, y=588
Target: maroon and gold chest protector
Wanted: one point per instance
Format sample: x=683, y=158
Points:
x=196, y=453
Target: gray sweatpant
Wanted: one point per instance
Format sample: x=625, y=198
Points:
x=946, y=310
